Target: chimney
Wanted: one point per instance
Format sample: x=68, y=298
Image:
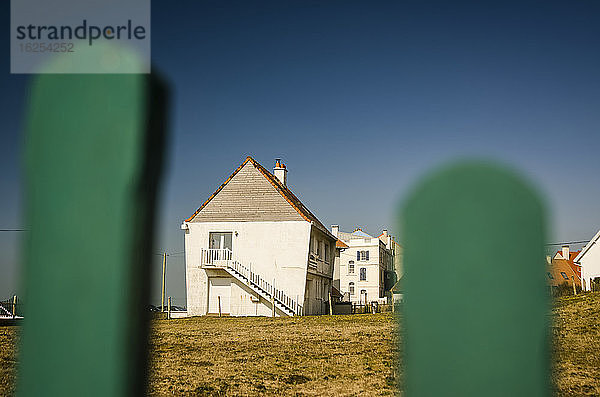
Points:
x=385, y=233
x=280, y=171
x=335, y=230
x=565, y=252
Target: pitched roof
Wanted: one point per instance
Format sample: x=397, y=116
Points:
x=571, y=260
x=587, y=247
x=559, y=266
x=340, y=244
x=280, y=187
x=359, y=232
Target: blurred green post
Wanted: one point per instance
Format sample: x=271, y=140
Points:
x=93, y=157
x=476, y=312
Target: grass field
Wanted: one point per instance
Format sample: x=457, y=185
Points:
x=340, y=355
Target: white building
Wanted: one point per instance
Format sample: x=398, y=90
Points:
x=364, y=266
x=253, y=249
x=589, y=260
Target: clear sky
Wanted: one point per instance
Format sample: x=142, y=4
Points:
x=359, y=99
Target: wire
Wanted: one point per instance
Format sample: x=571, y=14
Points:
x=571, y=242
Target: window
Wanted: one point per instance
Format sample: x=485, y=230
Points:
x=219, y=240
x=318, y=248
x=363, y=274
x=351, y=267
x=351, y=288
x=362, y=255
x=564, y=275
x=326, y=252
x=550, y=276
x=363, y=295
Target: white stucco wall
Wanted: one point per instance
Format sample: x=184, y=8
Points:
x=275, y=250
x=590, y=265
x=373, y=266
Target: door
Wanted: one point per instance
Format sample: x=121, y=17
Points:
x=220, y=247
x=307, y=297
x=220, y=240
x=219, y=293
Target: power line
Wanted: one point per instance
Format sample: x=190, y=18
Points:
x=13, y=230
x=571, y=242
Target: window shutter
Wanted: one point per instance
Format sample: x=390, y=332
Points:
x=367, y=256
x=357, y=255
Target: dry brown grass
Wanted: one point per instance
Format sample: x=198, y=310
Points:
x=8, y=361
x=320, y=355
x=340, y=355
x=576, y=329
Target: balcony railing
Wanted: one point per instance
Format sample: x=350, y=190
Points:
x=217, y=257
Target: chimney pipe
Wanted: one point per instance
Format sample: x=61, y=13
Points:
x=565, y=252
x=280, y=172
x=335, y=230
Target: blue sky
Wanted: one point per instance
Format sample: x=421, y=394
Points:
x=360, y=99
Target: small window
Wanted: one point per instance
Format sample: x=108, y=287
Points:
x=318, y=248
x=362, y=255
x=325, y=252
x=363, y=274
x=351, y=288
x=550, y=276
x=351, y=267
x=564, y=275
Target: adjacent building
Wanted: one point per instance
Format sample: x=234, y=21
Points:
x=365, y=266
x=589, y=260
x=253, y=249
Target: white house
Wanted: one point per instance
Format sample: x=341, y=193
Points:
x=589, y=260
x=253, y=249
x=365, y=263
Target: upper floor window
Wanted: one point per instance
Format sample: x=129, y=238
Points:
x=318, y=248
x=362, y=255
x=351, y=288
x=326, y=252
x=218, y=240
x=363, y=274
x=351, y=267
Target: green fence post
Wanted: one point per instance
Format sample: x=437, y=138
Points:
x=93, y=156
x=476, y=312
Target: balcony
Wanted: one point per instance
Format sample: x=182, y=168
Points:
x=216, y=257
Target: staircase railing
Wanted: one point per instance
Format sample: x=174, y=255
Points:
x=223, y=258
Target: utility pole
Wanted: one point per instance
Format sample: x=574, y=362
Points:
x=164, y=282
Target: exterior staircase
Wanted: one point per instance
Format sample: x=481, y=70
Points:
x=223, y=259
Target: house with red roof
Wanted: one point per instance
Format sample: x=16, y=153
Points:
x=569, y=257
x=253, y=249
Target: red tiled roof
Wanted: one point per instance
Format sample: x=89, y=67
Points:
x=557, y=267
x=572, y=255
x=340, y=244
x=282, y=189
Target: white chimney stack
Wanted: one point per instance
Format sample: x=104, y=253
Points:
x=280, y=172
x=335, y=230
x=565, y=252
